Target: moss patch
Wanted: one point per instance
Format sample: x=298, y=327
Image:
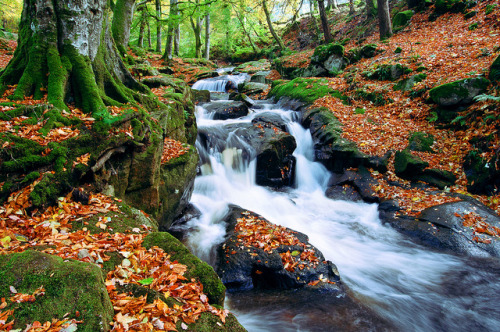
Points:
x=70, y=286
x=305, y=89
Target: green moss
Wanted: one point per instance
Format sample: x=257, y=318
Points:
x=489, y=8
x=387, y=72
x=305, y=89
x=197, y=269
x=420, y=141
x=458, y=91
x=376, y=97
x=409, y=82
x=323, y=52
x=70, y=286
x=402, y=19
x=473, y=26
x=398, y=50
x=211, y=323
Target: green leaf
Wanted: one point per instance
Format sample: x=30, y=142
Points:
x=295, y=253
x=147, y=281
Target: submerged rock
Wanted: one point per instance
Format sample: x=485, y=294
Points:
x=259, y=254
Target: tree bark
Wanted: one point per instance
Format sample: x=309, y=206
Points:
x=384, y=19
x=177, y=40
x=324, y=21
x=158, y=25
x=270, y=24
x=196, y=25
x=122, y=21
x=206, y=54
x=332, y=4
x=351, y=7
x=142, y=27
x=67, y=60
x=172, y=24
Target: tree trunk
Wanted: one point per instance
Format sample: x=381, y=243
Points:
x=270, y=24
x=142, y=27
x=331, y=4
x=384, y=19
x=172, y=23
x=370, y=8
x=206, y=54
x=324, y=21
x=351, y=7
x=70, y=61
x=196, y=25
x=122, y=21
x=158, y=26
x=150, y=44
x=245, y=31
x=177, y=40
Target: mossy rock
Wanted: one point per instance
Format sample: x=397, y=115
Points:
x=407, y=83
x=376, y=97
x=210, y=323
x=436, y=177
x=494, y=74
x=368, y=50
x=445, y=6
x=401, y=19
x=304, y=89
x=420, y=141
x=483, y=176
x=323, y=52
x=388, y=72
x=460, y=92
x=407, y=165
x=70, y=287
x=201, y=271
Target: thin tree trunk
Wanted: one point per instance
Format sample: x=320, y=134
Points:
x=122, y=21
x=149, y=35
x=172, y=22
x=384, y=19
x=324, y=21
x=158, y=26
x=351, y=7
x=369, y=8
x=206, y=54
x=245, y=31
x=270, y=24
x=177, y=40
x=142, y=27
x=196, y=25
x=296, y=14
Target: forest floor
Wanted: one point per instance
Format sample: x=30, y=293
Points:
x=450, y=51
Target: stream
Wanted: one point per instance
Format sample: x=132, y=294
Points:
x=411, y=287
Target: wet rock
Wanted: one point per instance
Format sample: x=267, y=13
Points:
x=458, y=93
x=201, y=96
x=271, y=265
x=70, y=286
x=207, y=74
x=252, y=88
x=242, y=97
x=260, y=77
x=270, y=118
x=227, y=109
x=354, y=185
x=494, y=74
x=483, y=176
x=442, y=227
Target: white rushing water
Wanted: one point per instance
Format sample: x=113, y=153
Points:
x=398, y=279
x=221, y=83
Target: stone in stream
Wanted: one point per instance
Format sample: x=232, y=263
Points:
x=465, y=227
x=227, y=109
x=259, y=254
x=271, y=146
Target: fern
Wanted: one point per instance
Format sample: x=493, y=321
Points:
x=485, y=97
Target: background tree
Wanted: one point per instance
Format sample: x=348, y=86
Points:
x=270, y=25
x=122, y=22
x=370, y=9
x=384, y=19
x=158, y=25
x=324, y=21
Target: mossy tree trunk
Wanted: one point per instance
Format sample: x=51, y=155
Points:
x=122, y=21
x=173, y=24
x=158, y=25
x=65, y=49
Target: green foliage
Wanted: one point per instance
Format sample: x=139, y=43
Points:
x=473, y=26
x=401, y=20
x=398, y=50
x=489, y=8
x=323, y=52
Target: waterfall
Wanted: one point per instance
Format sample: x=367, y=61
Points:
x=221, y=83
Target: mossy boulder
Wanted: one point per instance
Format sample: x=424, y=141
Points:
x=304, y=89
x=461, y=92
x=368, y=50
x=260, y=77
x=407, y=83
x=333, y=151
x=253, y=67
x=330, y=57
x=73, y=289
x=201, y=96
x=420, y=141
x=494, y=74
x=144, y=69
x=253, y=88
x=401, y=19
x=483, y=176
x=201, y=271
x=407, y=166
x=387, y=72
x=445, y=6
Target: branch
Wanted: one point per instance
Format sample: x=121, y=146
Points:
x=102, y=160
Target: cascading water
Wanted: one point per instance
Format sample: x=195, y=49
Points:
x=413, y=288
x=221, y=83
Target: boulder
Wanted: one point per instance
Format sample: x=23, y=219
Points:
x=459, y=227
x=407, y=166
x=420, y=141
x=368, y=51
x=494, y=74
x=206, y=74
x=242, y=97
x=330, y=57
x=401, y=19
x=227, y=109
x=354, y=185
x=156, y=82
x=333, y=151
x=144, y=69
x=313, y=70
x=483, y=176
x=260, y=77
x=253, y=67
x=272, y=119
x=458, y=93
x=387, y=72
x=407, y=83
x=201, y=96
x=274, y=258
x=72, y=289
x=253, y=88
x=272, y=147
